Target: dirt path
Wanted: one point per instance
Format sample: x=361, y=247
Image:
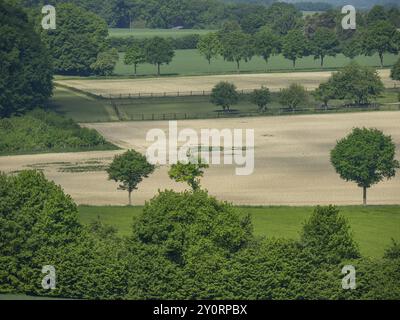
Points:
x=274, y=81
x=291, y=162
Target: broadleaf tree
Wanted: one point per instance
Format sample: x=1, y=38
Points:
x=365, y=156
x=129, y=169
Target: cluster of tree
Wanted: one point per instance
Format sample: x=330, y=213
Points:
x=318, y=38
x=184, y=245
x=25, y=69
x=157, y=51
x=178, y=43
x=196, y=14
x=45, y=131
x=354, y=84
x=78, y=44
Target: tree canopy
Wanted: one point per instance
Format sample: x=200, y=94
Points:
x=77, y=41
x=26, y=68
x=129, y=169
x=365, y=156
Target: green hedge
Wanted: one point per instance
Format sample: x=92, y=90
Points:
x=41, y=131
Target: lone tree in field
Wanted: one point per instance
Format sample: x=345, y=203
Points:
x=261, y=97
x=134, y=56
x=159, y=51
x=365, y=156
x=293, y=96
x=188, y=172
x=209, y=46
x=224, y=94
x=129, y=169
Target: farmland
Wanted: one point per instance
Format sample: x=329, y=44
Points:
x=292, y=164
x=373, y=227
x=184, y=85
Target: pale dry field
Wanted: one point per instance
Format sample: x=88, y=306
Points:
x=291, y=162
x=274, y=81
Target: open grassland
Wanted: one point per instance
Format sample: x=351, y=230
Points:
x=149, y=33
x=198, y=84
x=292, y=165
x=190, y=62
x=373, y=227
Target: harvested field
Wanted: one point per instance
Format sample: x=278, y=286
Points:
x=292, y=164
x=170, y=86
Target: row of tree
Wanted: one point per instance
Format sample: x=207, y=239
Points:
x=354, y=84
x=235, y=45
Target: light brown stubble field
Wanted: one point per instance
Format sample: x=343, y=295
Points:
x=291, y=162
x=170, y=85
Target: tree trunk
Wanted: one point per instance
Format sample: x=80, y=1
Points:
x=130, y=198
x=135, y=69
x=238, y=66
x=322, y=61
x=381, y=58
x=158, y=69
x=294, y=63
x=364, y=196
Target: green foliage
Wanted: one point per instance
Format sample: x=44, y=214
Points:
x=185, y=224
x=393, y=252
x=324, y=93
x=395, y=72
x=158, y=51
x=293, y=96
x=105, y=63
x=326, y=237
x=77, y=40
x=44, y=131
x=365, y=156
x=235, y=45
x=266, y=44
x=261, y=97
x=224, y=94
x=129, y=169
x=324, y=43
x=295, y=46
x=209, y=46
x=188, y=172
x=183, y=246
x=25, y=68
x=380, y=37
x=356, y=83
x=134, y=55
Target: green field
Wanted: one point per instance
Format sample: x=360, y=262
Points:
x=373, y=226
x=82, y=108
x=148, y=33
x=190, y=62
